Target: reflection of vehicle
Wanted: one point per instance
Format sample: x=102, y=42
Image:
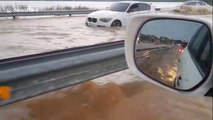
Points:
x=118, y=14
x=180, y=49
x=195, y=3
x=181, y=46
x=195, y=61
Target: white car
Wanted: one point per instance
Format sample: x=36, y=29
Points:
x=118, y=14
x=195, y=3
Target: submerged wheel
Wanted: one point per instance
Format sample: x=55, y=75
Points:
x=116, y=23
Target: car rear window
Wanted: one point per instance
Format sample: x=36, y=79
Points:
x=119, y=7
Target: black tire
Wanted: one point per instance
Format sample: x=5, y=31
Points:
x=116, y=23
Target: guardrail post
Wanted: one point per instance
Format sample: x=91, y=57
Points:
x=70, y=15
x=14, y=17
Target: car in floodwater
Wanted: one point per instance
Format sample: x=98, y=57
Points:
x=118, y=14
x=195, y=3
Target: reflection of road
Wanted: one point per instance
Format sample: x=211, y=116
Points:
x=159, y=63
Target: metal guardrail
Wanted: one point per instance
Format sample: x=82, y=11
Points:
x=32, y=75
x=45, y=13
x=154, y=48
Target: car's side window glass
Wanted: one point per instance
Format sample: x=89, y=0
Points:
x=191, y=3
x=200, y=48
x=133, y=8
x=201, y=3
x=120, y=7
x=148, y=7
x=143, y=7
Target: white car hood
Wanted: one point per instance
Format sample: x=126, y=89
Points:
x=103, y=13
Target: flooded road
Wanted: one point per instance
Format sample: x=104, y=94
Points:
x=119, y=96
x=160, y=64
x=35, y=35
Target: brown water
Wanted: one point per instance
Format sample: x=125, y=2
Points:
x=34, y=35
x=135, y=100
x=120, y=96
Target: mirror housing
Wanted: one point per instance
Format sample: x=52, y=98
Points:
x=133, y=29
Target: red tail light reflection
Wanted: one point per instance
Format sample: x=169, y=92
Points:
x=180, y=50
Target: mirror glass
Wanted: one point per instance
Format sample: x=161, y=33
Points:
x=174, y=52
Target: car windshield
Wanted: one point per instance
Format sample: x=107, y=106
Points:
x=119, y=7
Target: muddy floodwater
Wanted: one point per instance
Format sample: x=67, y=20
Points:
x=30, y=35
x=119, y=96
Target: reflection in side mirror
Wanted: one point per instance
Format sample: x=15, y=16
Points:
x=176, y=53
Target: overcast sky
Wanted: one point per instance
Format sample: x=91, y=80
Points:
x=173, y=29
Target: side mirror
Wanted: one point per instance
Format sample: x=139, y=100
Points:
x=172, y=52
x=157, y=9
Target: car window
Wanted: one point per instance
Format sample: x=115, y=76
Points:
x=119, y=7
x=200, y=48
x=201, y=3
x=143, y=6
x=190, y=3
x=133, y=8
